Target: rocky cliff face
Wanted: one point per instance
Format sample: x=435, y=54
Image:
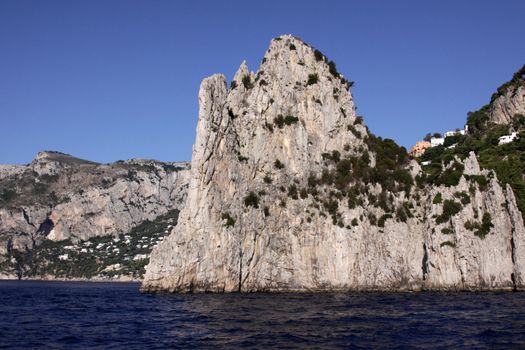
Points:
x=509, y=101
x=289, y=191
x=506, y=106
x=59, y=197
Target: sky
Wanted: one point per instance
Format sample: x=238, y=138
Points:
x=111, y=80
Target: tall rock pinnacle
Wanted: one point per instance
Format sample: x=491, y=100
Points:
x=289, y=191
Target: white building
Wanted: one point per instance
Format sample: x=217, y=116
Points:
x=436, y=141
x=507, y=138
x=457, y=132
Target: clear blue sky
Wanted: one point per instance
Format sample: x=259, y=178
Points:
x=109, y=80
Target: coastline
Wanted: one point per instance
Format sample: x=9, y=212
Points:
x=415, y=290
x=53, y=279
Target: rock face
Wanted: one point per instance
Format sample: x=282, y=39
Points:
x=511, y=102
x=59, y=197
x=289, y=191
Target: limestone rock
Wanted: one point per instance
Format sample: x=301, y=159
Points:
x=256, y=220
x=505, y=107
x=60, y=197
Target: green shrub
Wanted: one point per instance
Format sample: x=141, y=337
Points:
x=452, y=175
x=471, y=226
x=267, y=179
x=290, y=119
x=354, y=222
x=266, y=211
x=477, y=121
x=481, y=181
x=448, y=243
x=403, y=213
x=332, y=206
x=463, y=196
x=292, y=47
x=334, y=156
x=233, y=85
x=352, y=201
x=451, y=140
x=278, y=164
x=438, y=198
x=292, y=191
x=447, y=231
x=383, y=219
x=372, y=218
x=247, y=81
x=450, y=208
x=318, y=55
x=303, y=193
x=333, y=69
x=312, y=180
x=251, y=200
x=312, y=79
x=486, y=226
x=230, y=222
x=280, y=121
x=354, y=131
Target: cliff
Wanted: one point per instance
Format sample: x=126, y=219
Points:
x=289, y=191
x=509, y=100
x=61, y=198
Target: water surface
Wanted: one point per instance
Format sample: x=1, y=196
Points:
x=69, y=315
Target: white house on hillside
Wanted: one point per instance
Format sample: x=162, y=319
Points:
x=436, y=141
x=457, y=131
x=507, y=138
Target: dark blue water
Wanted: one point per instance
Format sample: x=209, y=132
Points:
x=109, y=315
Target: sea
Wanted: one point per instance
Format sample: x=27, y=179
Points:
x=84, y=315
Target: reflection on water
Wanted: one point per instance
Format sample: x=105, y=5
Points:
x=102, y=315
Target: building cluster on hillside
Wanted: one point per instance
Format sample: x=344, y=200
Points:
x=433, y=141
x=437, y=140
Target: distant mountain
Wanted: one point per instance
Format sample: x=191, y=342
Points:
x=63, y=199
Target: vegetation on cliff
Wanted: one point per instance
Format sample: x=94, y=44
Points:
x=507, y=160
x=124, y=255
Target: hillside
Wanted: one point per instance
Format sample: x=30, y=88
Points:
x=505, y=113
